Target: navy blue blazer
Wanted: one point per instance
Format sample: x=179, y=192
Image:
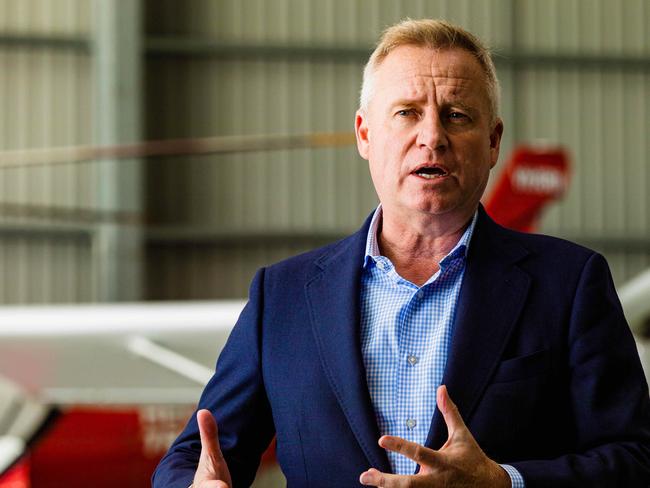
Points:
x=542, y=366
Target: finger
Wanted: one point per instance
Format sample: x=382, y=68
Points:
x=449, y=410
x=374, y=477
x=212, y=471
x=412, y=450
x=209, y=433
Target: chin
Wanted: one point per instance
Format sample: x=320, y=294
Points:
x=434, y=207
x=449, y=210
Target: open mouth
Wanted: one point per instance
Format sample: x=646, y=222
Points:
x=431, y=172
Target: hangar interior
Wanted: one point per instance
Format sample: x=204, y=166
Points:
x=84, y=74
x=108, y=72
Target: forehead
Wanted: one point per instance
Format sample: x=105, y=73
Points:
x=409, y=70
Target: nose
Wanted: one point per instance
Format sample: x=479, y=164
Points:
x=431, y=132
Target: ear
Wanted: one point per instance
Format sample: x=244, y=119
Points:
x=495, y=141
x=361, y=133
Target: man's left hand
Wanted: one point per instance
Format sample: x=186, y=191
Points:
x=460, y=462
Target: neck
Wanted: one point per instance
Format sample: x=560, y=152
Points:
x=416, y=246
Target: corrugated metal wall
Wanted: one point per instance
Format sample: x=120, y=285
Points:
x=44, y=101
x=587, y=85
x=574, y=72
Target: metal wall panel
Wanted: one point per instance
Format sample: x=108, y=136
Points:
x=553, y=90
x=322, y=192
x=313, y=189
x=45, y=17
x=343, y=22
x=601, y=113
x=205, y=96
x=195, y=271
x=40, y=268
x=44, y=101
x=597, y=27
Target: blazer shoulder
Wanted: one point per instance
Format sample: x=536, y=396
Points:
x=531, y=241
x=550, y=245
x=534, y=249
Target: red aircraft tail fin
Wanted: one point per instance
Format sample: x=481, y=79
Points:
x=532, y=178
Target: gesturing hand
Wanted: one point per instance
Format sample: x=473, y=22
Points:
x=459, y=463
x=212, y=471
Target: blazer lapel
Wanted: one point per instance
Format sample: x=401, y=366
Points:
x=333, y=299
x=492, y=296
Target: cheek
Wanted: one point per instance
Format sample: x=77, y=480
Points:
x=380, y=161
x=390, y=143
x=384, y=179
x=388, y=158
x=476, y=159
x=376, y=174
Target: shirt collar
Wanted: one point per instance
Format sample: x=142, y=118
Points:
x=372, y=246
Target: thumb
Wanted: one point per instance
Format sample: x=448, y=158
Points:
x=209, y=433
x=449, y=411
x=212, y=465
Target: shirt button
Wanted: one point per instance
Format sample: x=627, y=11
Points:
x=420, y=294
x=381, y=265
x=413, y=360
x=411, y=423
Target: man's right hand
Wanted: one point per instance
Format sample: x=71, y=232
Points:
x=212, y=471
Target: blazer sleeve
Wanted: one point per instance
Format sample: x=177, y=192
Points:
x=236, y=397
x=607, y=393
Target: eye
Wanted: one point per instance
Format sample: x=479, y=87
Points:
x=405, y=112
x=458, y=118
x=457, y=115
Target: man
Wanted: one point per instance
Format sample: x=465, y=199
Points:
x=433, y=347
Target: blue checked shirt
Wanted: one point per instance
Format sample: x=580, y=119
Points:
x=405, y=336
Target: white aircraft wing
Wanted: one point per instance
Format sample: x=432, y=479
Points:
x=132, y=354
x=122, y=353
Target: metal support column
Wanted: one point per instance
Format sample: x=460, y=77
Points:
x=117, y=51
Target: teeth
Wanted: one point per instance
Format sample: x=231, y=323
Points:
x=430, y=177
x=427, y=173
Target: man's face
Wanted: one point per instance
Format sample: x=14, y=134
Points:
x=428, y=132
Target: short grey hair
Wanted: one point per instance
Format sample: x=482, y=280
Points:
x=435, y=34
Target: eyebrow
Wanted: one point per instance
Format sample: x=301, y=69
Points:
x=411, y=102
x=461, y=105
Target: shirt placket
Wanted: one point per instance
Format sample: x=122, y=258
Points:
x=409, y=421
